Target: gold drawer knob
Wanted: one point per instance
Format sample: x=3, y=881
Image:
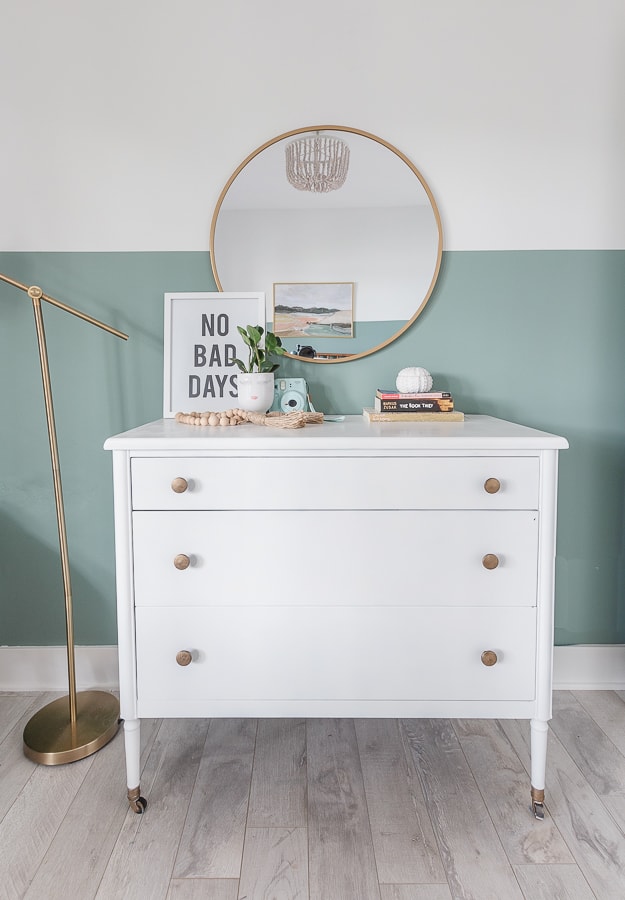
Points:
x=179, y=485
x=489, y=657
x=490, y=561
x=492, y=485
x=182, y=561
x=183, y=657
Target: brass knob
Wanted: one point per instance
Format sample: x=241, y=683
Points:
x=179, y=485
x=490, y=561
x=492, y=485
x=489, y=657
x=182, y=561
x=183, y=657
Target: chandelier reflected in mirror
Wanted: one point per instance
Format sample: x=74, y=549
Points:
x=317, y=163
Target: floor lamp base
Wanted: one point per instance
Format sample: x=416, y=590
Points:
x=50, y=737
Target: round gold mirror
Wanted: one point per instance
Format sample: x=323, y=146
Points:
x=340, y=231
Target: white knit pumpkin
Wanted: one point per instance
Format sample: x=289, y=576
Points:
x=413, y=380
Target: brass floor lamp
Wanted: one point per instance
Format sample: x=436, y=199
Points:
x=75, y=726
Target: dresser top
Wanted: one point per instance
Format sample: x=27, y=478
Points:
x=354, y=433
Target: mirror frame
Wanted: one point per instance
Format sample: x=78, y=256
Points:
x=347, y=129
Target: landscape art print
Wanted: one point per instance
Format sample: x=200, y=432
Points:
x=313, y=309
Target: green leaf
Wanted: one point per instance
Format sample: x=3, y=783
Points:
x=260, y=356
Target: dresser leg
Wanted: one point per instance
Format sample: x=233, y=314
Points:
x=538, y=749
x=132, y=743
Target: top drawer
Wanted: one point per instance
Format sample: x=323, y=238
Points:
x=335, y=483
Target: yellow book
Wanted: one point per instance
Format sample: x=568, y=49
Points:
x=371, y=415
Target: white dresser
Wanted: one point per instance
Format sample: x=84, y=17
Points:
x=343, y=569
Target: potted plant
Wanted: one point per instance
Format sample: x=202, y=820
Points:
x=255, y=383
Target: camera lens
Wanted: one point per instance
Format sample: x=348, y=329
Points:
x=292, y=401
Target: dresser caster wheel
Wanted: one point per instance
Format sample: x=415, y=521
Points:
x=137, y=804
x=537, y=806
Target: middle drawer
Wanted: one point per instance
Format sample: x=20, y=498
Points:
x=336, y=557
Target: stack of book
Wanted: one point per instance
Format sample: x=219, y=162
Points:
x=392, y=406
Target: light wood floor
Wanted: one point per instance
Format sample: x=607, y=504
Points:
x=326, y=809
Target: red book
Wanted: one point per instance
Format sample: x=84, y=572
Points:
x=384, y=394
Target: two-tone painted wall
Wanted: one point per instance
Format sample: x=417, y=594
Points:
x=121, y=124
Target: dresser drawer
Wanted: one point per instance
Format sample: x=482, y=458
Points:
x=351, y=654
x=402, y=482
x=338, y=557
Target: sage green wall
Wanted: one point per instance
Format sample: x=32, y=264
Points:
x=535, y=337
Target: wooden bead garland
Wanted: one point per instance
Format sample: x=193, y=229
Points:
x=240, y=416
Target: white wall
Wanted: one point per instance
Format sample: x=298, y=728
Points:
x=121, y=121
x=260, y=247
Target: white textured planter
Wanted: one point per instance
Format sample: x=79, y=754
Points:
x=255, y=391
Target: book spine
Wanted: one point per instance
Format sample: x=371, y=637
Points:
x=428, y=395
x=414, y=405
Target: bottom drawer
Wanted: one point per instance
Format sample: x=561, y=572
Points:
x=355, y=653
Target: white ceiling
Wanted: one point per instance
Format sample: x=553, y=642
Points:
x=377, y=177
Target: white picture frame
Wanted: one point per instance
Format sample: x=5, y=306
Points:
x=201, y=342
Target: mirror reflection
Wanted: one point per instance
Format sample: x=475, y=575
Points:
x=347, y=257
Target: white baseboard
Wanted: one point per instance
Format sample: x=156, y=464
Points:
x=589, y=667
x=580, y=667
x=45, y=668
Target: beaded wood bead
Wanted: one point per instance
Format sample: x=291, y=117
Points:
x=223, y=418
x=240, y=416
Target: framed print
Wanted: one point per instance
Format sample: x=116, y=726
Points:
x=201, y=344
x=313, y=309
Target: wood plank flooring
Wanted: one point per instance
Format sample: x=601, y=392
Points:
x=322, y=809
